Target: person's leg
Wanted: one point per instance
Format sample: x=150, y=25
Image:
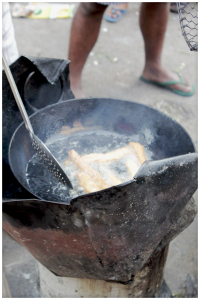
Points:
x=84, y=34
x=153, y=24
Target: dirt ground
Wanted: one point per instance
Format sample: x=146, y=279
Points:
x=112, y=70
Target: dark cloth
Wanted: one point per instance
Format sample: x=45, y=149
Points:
x=52, y=70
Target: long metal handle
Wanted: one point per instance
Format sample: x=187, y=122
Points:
x=17, y=96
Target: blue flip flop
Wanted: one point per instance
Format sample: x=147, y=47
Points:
x=167, y=84
x=114, y=12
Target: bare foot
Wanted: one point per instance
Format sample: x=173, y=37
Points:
x=76, y=89
x=163, y=74
x=78, y=93
x=118, y=7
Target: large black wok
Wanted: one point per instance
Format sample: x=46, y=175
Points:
x=163, y=136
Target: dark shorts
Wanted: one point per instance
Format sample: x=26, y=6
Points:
x=109, y=3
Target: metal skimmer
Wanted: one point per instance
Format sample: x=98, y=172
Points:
x=188, y=16
x=49, y=160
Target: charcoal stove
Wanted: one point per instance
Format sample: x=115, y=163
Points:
x=102, y=235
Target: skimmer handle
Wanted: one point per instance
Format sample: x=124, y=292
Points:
x=17, y=95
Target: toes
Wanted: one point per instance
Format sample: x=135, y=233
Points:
x=185, y=87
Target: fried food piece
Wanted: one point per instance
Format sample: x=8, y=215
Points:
x=132, y=167
x=107, y=157
x=139, y=151
x=67, y=162
x=77, y=124
x=81, y=164
x=111, y=177
x=87, y=183
x=67, y=130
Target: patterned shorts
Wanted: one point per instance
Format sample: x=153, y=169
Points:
x=109, y=3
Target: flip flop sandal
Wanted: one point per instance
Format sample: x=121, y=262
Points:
x=118, y=16
x=167, y=84
x=173, y=7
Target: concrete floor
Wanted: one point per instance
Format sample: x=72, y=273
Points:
x=120, y=80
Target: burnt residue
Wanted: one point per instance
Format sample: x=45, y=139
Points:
x=124, y=283
x=186, y=217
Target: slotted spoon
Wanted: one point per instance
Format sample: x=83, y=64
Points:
x=49, y=160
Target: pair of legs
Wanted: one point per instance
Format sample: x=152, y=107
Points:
x=85, y=31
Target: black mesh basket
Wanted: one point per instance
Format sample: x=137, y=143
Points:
x=188, y=15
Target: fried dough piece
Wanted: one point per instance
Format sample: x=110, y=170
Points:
x=132, y=167
x=66, y=162
x=81, y=164
x=139, y=150
x=67, y=130
x=87, y=183
x=107, y=157
x=114, y=180
x=77, y=124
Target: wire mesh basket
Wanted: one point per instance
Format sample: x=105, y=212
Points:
x=188, y=16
